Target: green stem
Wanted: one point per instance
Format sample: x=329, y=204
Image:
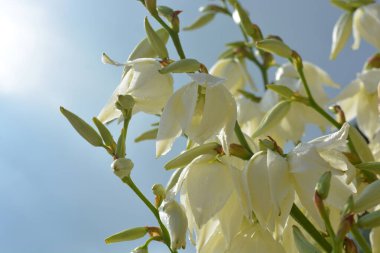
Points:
x=165, y=233
x=360, y=239
x=174, y=35
x=240, y=135
x=298, y=216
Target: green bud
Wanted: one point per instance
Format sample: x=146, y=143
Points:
x=144, y=50
x=276, y=47
x=155, y=42
x=125, y=102
x=281, y=90
x=341, y=33
x=200, y=22
x=84, y=129
x=302, y=244
x=151, y=6
x=323, y=185
x=122, y=167
x=165, y=11
x=159, y=190
x=272, y=117
x=186, y=157
x=370, y=220
x=368, y=198
x=107, y=60
x=127, y=235
x=245, y=22
x=213, y=8
x=148, y=135
x=360, y=145
x=105, y=133
x=373, y=167
x=373, y=62
x=181, y=66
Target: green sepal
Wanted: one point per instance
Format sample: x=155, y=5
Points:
x=84, y=129
x=186, y=157
x=272, y=117
x=246, y=23
x=181, y=66
x=228, y=53
x=127, y=235
x=281, y=90
x=200, y=22
x=148, y=135
x=373, y=167
x=302, y=244
x=155, y=42
x=105, y=133
x=276, y=47
x=214, y=9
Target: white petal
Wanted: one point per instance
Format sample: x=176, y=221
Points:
x=367, y=114
x=335, y=140
x=208, y=186
x=367, y=23
x=177, y=113
x=205, y=79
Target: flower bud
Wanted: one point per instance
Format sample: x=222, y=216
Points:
x=127, y=235
x=370, y=220
x=272, y=117
x=122, y=167
x=126, y=102
x=275, y=46
x=174, y=218
x=140, y=249
x=368, y=198
x=323, y=185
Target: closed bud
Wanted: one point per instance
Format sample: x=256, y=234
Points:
x=84, y=129
x=323, y=185
x=275, y=46
x=272, y=117
x=370, y=220
x=126, y=102
x=368, y=198
x=122, y=167
x=127, y=235
x=281, y=90
x=181, y=66
x=140, y=249
x=165, y=11
x=151, y=6
x=186, y=157
x=174, y=218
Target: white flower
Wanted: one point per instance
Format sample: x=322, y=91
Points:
x=235, y=72
x=272, y=180
x=202, y=110
x=145, y=84
x=366, y=25
x=359, y=100
x=173, y=216
x=254, y=238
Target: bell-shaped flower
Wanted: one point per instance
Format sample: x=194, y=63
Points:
x=206, y=186
x=174, y=218
x=235, y=72
x=359, y=100
x=202, y=109
x=149, y=88
x=291, y=127
x=366, y=25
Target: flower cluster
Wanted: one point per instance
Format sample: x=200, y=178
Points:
x=248, y=179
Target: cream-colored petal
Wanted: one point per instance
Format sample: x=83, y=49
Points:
x=367, y=23
x=177, y=114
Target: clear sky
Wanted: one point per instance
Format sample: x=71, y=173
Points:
x=57, y=193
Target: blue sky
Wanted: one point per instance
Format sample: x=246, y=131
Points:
x=57, y=193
